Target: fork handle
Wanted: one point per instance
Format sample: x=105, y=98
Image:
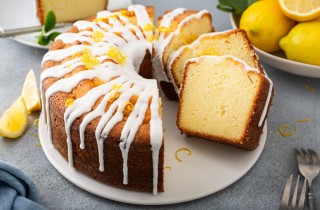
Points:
x=311, y=200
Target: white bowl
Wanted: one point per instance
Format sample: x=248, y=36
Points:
x=279, y=61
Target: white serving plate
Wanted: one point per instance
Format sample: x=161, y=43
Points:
x=210, y=168
x=279, y=61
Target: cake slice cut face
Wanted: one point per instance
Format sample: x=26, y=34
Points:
x=233, y=42
x=71, y=10
x=225, y=100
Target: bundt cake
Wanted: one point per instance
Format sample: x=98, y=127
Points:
x=233, y=42
x=102, y=116
x=69, y=11
x=225, y=100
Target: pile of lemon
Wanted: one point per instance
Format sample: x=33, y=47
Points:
x=14, y=121
x=290, y=25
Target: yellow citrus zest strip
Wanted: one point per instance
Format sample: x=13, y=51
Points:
x=69, y=102
x=76, y=55
x=168, y=167
x=182, y=149
x=97, y=36
x=308, y=88
x=149, y=27
x=117, y=55
x=113, y=96
x=150, y=38
x=32, y=134
x=307, y=119
x=89, y=60
x=117, y=86
x=128, y=106
x=38, y=145
x=36, y=122
x=163, y=29
x=283, y=130
x=68, y=66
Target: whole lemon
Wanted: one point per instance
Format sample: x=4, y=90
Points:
x=303, y=43
x=265, y=24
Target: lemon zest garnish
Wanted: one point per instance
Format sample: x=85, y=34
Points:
x=117, y=55
x=97, y=36
x=32, y=134
x=38, y=145
x=150, y=38
x=117, y=86
x=128, y=106
x=283, y=130
x=308, y=88
x=36, y=122
x=149, y=27
x=69, y=102
x=68, y=66
x=113, y=96
x=163, y=29
x=182, y=149
x=168, y=167
x=307, y=119
x=89, y=60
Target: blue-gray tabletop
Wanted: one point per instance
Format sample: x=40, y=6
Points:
x=296, y=98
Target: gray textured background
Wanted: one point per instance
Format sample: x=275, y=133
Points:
x=260, y=188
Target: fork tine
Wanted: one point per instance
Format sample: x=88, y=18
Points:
x=295, y=193
x=299, y=156
x=286, y=194
x=303, y=195
x=314, y=156
x=306, y=155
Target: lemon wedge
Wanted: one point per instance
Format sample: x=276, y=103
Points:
x=30, y=92
x=14, y=121
x=300, y=10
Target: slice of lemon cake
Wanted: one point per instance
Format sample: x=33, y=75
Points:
x=232, y=42
x=225, y=100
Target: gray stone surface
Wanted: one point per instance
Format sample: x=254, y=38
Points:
x=260, y=188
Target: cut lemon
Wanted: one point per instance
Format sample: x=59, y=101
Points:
x=300, y=10
x=14, y=121
x=30, y=93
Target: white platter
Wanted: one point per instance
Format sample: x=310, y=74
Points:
x=210, y=168
x=279, y=61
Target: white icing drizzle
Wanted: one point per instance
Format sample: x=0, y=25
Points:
x=247, y=68
x=133, y=43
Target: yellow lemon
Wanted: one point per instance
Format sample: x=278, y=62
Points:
x=303, y=43
x=30, y=92
x=265, y=25
x=14, y=121
x=300, y=10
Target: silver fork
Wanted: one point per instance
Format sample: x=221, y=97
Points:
x=309, y=167
x=296, y=203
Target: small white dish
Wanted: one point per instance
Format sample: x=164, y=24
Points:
x=210, y=168
x=279, y=61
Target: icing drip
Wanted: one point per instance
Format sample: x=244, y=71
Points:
x=111, y=32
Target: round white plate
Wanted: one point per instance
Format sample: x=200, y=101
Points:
x=279, y=61
x=210, y=168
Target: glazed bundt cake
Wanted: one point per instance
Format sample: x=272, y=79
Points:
x=71, y=10
x=225, y=100
x=233, y=42
x=102, y=116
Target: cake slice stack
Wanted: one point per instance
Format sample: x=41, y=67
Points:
x=224, y=93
